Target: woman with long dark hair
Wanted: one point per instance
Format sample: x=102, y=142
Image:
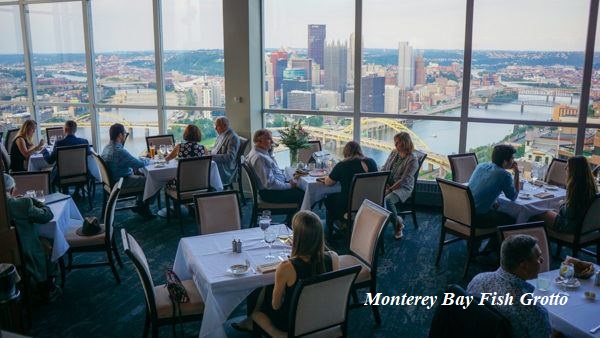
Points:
x=581, y=192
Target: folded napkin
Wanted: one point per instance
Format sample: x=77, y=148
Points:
x=543, y=195
x=267, y=267
x=583, y=269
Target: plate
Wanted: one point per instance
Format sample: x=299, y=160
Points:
x=573, y=284
x=238, y=269
x=551, y=187
x=525, y=196
x=159, y=165
x=318, y=173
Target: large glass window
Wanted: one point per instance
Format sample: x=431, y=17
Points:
x=139, y=123
x=13, y=86
x=528, y=59
x=309, y=53
x=124, y=47
x=12, y=116
x=410, y=67
x=593, y=112
x=58, y=52
x=204, y=119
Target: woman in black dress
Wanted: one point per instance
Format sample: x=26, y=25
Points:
x=189, y=148
x=22, y=147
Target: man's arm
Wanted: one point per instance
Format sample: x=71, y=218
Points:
x=232, y=148
x=127, y=160
x=39, y=212
x=510, y=186
x=50, y=157
x=265, y=174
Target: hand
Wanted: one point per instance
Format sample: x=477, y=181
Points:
x=515, y=167
x=293, y=183
x=42, y=143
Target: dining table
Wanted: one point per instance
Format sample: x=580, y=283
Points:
x=533, y=199
x=66, y=216
x=579, y=315
x=206, y=259
x=314, y=191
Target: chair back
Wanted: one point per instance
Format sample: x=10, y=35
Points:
x=591, y=221
x=57, y=132
x=557, y=173
x=238, y=158
x=104, y=173
x=457, y=201
x=4, y=220
x=305, y=154
x=462, y=166
x=253, y=179
x=533, y=229
x=451, y=321
x=10, y=250
x=217, y=212
x=36, y=180
x=366, y=232
x=310, y=314
x=193, y=174
x=367, y=186
x=421, y=156
x=4, y=159
x=109, y=211
x=158, y=140
x=71, y=163
x=134, y=251
x=11, y=135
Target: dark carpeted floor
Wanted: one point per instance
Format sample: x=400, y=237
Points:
x=93, y=305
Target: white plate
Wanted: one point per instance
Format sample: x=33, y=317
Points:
x=318, y=173
x=159, y=165
x=574, y=284
x=238, y=269
x=551, y=187
x=525, y=196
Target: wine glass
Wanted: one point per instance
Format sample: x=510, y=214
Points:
x=52, y=139
x=566, y=272
x=270, y=237
x=285, y=237
x=40, y=195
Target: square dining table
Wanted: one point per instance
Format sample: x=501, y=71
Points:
x=314, y=191
x=525, y=207
x=66, y=216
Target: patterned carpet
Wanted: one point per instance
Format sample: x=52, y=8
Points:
x=93, y=305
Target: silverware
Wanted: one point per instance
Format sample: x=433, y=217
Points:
x=594, y=330
x=250, y=266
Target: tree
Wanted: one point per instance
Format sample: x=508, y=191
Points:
x=315, y=121
x=190, y=98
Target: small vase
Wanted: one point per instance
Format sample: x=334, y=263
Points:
x=293, y=157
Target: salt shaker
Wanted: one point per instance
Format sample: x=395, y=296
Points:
x=238, y=246
x=233, y=245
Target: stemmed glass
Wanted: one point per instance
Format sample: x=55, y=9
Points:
x=285, y=237
x=270, y=237
x=566, y=272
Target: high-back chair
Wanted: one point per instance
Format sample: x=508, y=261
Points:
x=193, y=177
x=4, y=159
x=409, y=206
x=310, y=316
x=534, y=229
x=557, y=173
x=11, y=134
x=451, y=321
x=158, y=140
x=72, y=169
x=587, y=233
x=217, y=212
x=259, y=205
x=369, y=224
x=462, y=166
x=159, y=309
x=102, y=242
x=57, y=132
x=367, y=186
x=305, y=154
x=458, y=219
x=36, y=180
x=236, y=173
x=108, y=182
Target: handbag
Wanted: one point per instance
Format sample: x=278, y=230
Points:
x=177, y=294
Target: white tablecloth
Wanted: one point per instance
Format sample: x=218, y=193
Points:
x=38, y=163
x=156, y=178
x=579, y=315
x=313, y=191
x=66, y=216
x=523, y=209
x=206, y=258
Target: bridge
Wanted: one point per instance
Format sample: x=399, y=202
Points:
x=563, y=92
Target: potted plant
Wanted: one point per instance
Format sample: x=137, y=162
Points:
x=294, y=137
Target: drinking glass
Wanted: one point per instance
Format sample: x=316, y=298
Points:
x=52, y=140
x=162, y=149
x=543, y=283
x=566, y=272
x=270, y=237
x=30, y=193
x=169, y=148
x=264, y=222
x=285, y=237
x=40, y=195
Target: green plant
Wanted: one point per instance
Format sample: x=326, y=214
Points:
x=294, y=137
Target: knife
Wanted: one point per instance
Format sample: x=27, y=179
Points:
x=595, y=329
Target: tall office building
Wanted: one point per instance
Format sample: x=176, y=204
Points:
x=392, y=99
x=336, y=59
x=279, y=62
x=327, y=100
x=303, y=100
x=305, y=64
x=405, y=65
x=316, y=43
x=372, y=93
x=288, y=85
x=419, y=70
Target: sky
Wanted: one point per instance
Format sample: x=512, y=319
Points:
x=194, y=24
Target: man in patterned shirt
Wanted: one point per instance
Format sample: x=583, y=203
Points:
x=520, y=260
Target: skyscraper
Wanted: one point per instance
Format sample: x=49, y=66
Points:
x=405, y=65
x=316, y=43
x=305, y=64
x=392, y=100
x=419, y=70
x=279, y=63
x=336, y=60
x=288, y=85
x=372, y=93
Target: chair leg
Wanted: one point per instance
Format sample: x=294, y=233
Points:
x=111, y=262
x=179, y=215
x=70, y=260
x=146, y=325
x=167, y=202
x=116, y=253
x=62, y=268
x=470, y=249
x=414, y=217
x=241, y=189
x=158, y=203
x=154, y=331
x=440, y=247
x=375, y=308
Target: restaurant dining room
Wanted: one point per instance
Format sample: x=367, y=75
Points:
x=280, y=168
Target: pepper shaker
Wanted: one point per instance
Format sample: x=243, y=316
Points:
x=238, y=246
x=233, y=245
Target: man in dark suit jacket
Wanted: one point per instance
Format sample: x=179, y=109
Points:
x=225, y=151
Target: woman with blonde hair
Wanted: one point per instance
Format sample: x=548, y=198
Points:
x=402, y=164
x=581, y=193
x=22, y=147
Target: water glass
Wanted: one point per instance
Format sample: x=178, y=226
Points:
x=543, y=283
x=270, y=237
x=40, y=195
x=566, y=272
x=30, y=193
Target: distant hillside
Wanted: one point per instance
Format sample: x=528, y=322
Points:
x=198, y=62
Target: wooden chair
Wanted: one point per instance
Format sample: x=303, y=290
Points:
x=57, y=132
x=587, y=233
x=72, y=169
x=193, y=177
x=458, y=219
x=102, y=242
x=534, y=229
x=364, y=244
x=11, y=134
x=158, y=140
x=310, y=316
x=159, y=309
x=305, y=155
x=108, y=182
x=217, y=212
x=557, y=173
x=462, y=166
x=37, y=180
x=259, y=205
x=409, y=206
